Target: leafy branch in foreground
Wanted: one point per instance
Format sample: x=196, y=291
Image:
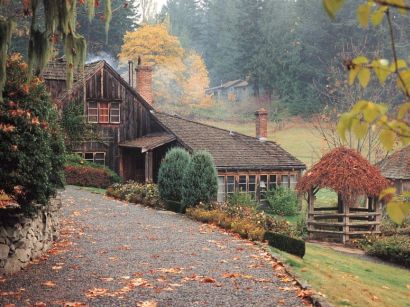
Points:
x=367, y=115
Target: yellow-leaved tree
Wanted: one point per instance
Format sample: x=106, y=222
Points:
x=180, y=76
x=365, y=114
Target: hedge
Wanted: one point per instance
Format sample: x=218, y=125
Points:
x=290, y=245
x=90, y=176
x=395, y=249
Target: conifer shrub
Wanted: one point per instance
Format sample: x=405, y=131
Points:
x=200, y=182
x=31, y=145
x=171, y=174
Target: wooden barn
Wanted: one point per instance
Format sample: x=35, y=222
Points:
x=396, y=168
x=134, y=138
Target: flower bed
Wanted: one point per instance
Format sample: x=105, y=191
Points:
x=138, y=193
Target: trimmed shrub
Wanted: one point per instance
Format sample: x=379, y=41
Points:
x=395, y=249
x=282, y=201
x=82, y=173
x=290, y=245
x=145, y=194
x=31, y=146
x=200, y=183
x=171, y=174
x=244, y=199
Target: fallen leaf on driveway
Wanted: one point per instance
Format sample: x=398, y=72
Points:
x=208, y=280
x=95, y=292
x=48, y=283
x=147, y=304
x=40, y=304
x=231, y=275
x=56, y=267
x=170, y=270
x=107, y=278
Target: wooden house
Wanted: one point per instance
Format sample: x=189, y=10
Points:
x=396, y=168
x=135, y=138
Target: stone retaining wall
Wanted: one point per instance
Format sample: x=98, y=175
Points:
x=24, y=238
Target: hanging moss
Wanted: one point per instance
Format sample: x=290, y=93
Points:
x=108, y=16
x=52, y=17
x=75, y=51
x=91, y=9
x=39, y=51
x=6, y=29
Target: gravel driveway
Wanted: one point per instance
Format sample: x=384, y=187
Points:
x=116, y=254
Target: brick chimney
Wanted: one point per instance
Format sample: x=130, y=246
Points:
x=262, y=124
x=144, y=82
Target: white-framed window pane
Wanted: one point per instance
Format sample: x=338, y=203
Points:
x=272, y=182
x=292, y=181
x=99, y=158
x=285, y=181
x=242, y=184
x=230, y=184
x=221, y=189
x=92, y=112
x=263, y=186
x=115, y=113
x=89, y=156
x=252, y=184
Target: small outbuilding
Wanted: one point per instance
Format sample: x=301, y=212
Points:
x=396, y=168
x=357, y=184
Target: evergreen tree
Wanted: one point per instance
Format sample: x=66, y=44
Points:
x=200, y=183
x=171, y=174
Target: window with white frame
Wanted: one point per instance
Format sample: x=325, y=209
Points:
x=284, y=181
x=242, y=186
x=92, y=112
x=252, y=185
x=230, y=184
x=115, y=113
x=292, y=181
x=221, y=189
x=272, y=182
x=103, y=112
x=93, y=157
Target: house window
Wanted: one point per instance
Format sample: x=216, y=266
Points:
x=92, y=112
x=94, y=157
x=230, y=184
x=99, y=158
x=252, y=184
x=221, y=189
x=242, y=184
x=103, y=112
x=285, y=181
x=272, y=182
x=292, y=181
x=115, y=113
x=263, y=186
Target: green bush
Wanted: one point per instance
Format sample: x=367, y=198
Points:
x=76, y=161
x=200, y=183
x=171, y=174
x=290, y=245
x=395, y=249
x=31, y=146
x=282, y=201
x=244, y=199
x=145, y=194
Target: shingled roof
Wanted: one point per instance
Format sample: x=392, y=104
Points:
x=397, y=165
x=57, y=70
x=230, y=150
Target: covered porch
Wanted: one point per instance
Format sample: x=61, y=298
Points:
x=140, y=158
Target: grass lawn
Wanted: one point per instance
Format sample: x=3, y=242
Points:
x=348, y=280
x=299, y=138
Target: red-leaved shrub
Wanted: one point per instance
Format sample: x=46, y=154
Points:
x=87, y=176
